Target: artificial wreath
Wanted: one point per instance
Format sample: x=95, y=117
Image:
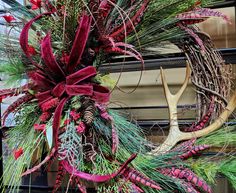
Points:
x=62, y=110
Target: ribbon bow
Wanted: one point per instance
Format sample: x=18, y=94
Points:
x=63, y=81
x=78, y=83
x=75, y=84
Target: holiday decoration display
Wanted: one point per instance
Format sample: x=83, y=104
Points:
x=62, y=114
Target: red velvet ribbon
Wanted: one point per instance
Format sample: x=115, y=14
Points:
x=24, y=36
x=52, y=81
x=78, y=83
x=75, y=84
x=79, y=43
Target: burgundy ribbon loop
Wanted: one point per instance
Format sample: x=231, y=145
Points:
x=42, y=96
x=41, y=80
x=71, y=87
x=24, y=36
x=100, y=94
x=59, y=89
x=81, y=75
x=49, y=59
x=73, y=90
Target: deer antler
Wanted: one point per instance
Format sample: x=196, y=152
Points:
x=175, y=135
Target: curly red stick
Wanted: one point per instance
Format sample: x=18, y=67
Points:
x=59, y=178
x=105, y=8
x=118, y=50
x=193, y=35
x=194, y=151
x=185, y=145
x=188, y=187
x=136, y=188
x=190, y=18
x=191, y=177
x=115, y=140
x=199, y=15
x=14, y=91
x=205, y=12
x=188, y=175
x=15, y=105
x=201, y=124
x=137, y=177
x=119, y=33
x=101, y=9
x=8, y=92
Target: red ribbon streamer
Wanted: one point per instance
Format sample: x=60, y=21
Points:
x=24, y=37
x=79, y=42
x=94, y=177
x=48, y=57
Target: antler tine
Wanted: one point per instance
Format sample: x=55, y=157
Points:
x=175, y=135
x=167, y=92
x=216, y=124
x=185, y=84
x=172, y=100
